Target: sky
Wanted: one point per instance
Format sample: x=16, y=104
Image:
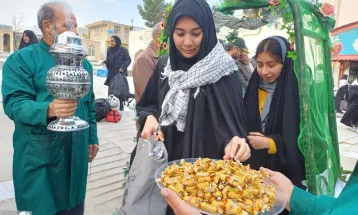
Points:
x=87, y=11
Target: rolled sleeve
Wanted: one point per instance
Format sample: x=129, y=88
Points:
x=304, y=203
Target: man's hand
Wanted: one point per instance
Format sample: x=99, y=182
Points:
x=92, y=152
x=62, y=108
x=282, y=182
x=178, y=205
x=120, y=70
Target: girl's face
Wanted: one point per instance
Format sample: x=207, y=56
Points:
x=113, y=42
x=187, y=36
x=26, y=38
x=269, y=67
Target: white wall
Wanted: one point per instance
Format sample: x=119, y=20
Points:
x=103, y=50
x=138, y=40
x=346, y=11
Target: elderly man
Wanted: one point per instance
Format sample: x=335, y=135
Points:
x=49, y=168
x=145, y=63
x=238, y=50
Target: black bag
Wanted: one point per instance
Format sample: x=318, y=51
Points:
x=102, y=109
x=119, y=87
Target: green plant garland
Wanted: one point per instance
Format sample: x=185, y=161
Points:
x=164, y=36
x=281, y=7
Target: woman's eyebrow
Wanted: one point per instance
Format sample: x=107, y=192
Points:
x=180, y=29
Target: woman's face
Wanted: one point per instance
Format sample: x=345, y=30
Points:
x=26, y=38
x=113, y=42
x=269, y=67
x=187, y=36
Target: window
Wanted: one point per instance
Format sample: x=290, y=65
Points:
x=127, y=31
x=117, y=30
x=91, y=51
x=353, y=72
x=97, y=31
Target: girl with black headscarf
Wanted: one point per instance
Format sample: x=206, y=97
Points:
x=272, y=110
x=194, y=93
x=28, y=38
x=117, y=61
x=342, y=94
x=350, y=117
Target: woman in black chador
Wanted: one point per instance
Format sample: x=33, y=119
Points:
x=28, y=38
x=194, y=93
x=342, y=94
x=272, y=109
x=350, y=117
x=117, y=61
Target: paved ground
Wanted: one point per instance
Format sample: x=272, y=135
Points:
x=104, y=183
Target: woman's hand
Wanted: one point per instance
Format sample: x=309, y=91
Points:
x=258, y=140
x=281, y=182
x=237, y=149
x=150, y=127
x=178, y=205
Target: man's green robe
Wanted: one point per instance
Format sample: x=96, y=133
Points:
x=304, y=203
x=49, y=168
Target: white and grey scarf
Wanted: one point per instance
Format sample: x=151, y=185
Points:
x=270, y=89
x=206, y=71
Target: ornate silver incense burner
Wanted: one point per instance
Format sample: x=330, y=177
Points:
x=68, y=79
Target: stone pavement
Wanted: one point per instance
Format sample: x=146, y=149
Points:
x=104, y=191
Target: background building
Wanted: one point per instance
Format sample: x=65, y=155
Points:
x=6, y=39
x=102, y=31
x=346, y=32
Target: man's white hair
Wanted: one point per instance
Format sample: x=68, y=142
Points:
x=47, y=11
x=156, y=29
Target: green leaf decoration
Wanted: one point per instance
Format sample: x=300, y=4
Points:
x=164, y=36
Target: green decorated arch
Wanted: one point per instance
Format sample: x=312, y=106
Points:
x=308, y=28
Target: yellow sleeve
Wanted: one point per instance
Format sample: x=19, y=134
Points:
x=262, y=99
x=272, y=147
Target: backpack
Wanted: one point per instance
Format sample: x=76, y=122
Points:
x=119, y=88
x=102, y=108
x=113, y=116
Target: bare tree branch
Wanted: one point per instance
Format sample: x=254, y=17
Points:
x=18, y=22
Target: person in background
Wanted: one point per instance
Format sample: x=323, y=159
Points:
x=272, y=105
x=28, y=38
x=342, y=94
x=145, y=63
x=49, y=168
x=350, y=117
x=117, y=61
x=299, y=201
x=245, y=64
x=234, y=52
x=137, y=54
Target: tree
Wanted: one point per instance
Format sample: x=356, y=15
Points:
x=17, y=21
x=152, y=11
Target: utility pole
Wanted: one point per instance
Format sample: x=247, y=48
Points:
x=132, y=23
